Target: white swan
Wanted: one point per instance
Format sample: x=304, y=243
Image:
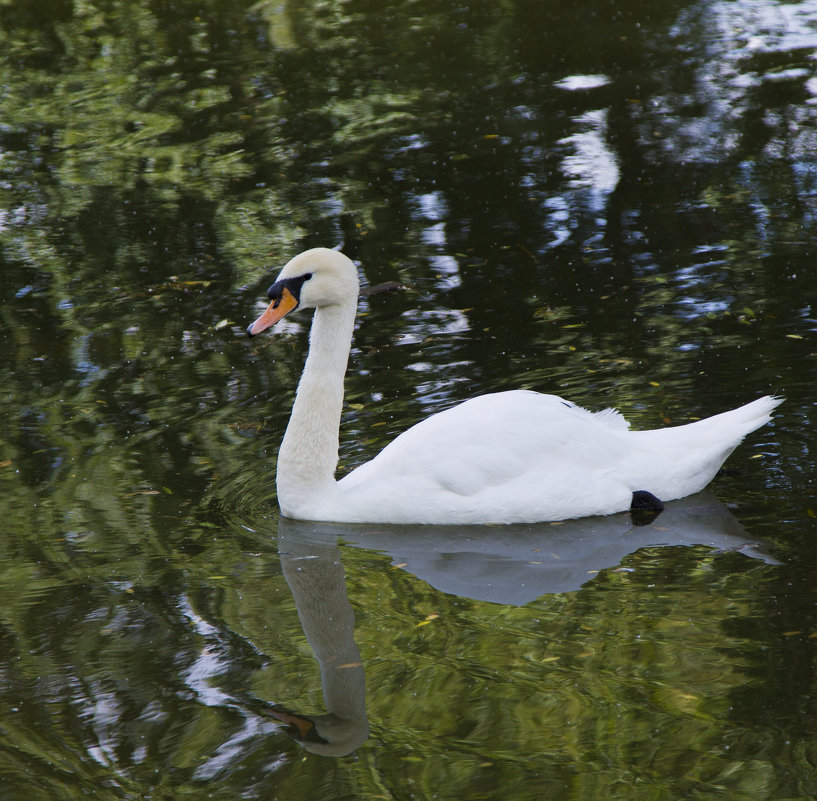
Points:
x=509, y=457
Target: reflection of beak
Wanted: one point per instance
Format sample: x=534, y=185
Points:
x=299, y=728
x=303, y=725
x=275, y=311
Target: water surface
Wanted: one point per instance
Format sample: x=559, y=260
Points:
x=616, y=204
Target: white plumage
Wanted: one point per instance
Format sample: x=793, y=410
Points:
x=508, y=457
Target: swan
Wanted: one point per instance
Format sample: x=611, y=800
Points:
x=507, y=457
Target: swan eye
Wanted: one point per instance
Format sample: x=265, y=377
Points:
x=276, y=291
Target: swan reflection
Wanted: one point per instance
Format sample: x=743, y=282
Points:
x=503, y=564
x=519, y=563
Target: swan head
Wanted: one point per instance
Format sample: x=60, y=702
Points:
x=327, y=735
x=316, y=278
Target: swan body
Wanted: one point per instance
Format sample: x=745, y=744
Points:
x=507, y=457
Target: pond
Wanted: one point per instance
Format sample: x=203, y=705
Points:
x=613, y=202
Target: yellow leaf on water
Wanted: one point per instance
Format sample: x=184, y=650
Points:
x=654, y=384
x=791, y=633
x=793, y=336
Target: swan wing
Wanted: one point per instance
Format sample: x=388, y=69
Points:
x=518, y=453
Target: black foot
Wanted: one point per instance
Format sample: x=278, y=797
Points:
x=645, y=507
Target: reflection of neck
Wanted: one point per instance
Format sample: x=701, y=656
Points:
x=319, y=589
x=315, y=576
x=309, y=452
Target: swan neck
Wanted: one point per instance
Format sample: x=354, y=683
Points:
x=308, y=456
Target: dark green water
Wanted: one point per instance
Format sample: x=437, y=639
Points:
x=616, y=202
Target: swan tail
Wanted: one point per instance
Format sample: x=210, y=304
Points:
x=736, y=423
x=692, y=454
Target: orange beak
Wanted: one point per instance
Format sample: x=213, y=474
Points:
x=274, y=312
